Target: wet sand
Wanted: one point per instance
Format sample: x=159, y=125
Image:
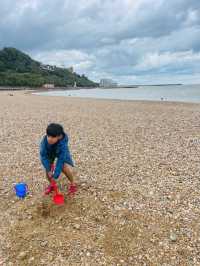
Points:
x=138, y=176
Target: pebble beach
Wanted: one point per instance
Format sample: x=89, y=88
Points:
x=138, y=176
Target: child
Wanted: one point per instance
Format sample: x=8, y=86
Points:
x=55, y=145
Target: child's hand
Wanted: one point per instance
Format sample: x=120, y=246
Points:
x=50, y=174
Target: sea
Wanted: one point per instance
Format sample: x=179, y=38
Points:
x=175, y=93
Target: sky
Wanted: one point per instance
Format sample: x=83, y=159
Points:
x=129, y=41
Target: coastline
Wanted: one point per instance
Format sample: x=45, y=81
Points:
x=41, y=89
x=148, y=93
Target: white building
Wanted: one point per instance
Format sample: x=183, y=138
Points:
x=107, y=83
x=48, y=86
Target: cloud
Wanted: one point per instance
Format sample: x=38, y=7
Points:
x=81, y=61
x=166, y=61
x=127, y=40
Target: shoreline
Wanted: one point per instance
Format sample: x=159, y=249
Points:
x=37, y=94
x=109, y=99
x=40, y=89
x=185, y=94
x=120, y=100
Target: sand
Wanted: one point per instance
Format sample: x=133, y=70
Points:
x=138, y=175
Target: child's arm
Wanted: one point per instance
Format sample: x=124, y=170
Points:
x=61, y=159
x=43, y=156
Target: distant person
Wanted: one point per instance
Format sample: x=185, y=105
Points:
x=54, y=145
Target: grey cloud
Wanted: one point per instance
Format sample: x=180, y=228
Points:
x=115, y=36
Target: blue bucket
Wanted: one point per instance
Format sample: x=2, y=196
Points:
x=21, y=190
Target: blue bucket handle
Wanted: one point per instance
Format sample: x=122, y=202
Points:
x=21, y=183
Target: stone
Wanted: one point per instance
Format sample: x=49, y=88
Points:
x=44, y=243
x=22, y=255
x=173, y=237
x=77, y=226
x=31, y=259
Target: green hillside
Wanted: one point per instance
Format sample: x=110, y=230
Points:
x=18, y=69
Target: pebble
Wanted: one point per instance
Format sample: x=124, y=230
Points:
x=44, y=243
x=77, y=226
x=31, y=259
x=173, y=237
x=30, y=217
x=22, y=255
x=50, y=257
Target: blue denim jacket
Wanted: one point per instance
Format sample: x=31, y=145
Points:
x=59, y=150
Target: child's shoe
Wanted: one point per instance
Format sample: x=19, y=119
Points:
x=72, y=189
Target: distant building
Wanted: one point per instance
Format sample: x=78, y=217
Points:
x=108, y=83
x=47, y=67
x=48, y=86
x=71, y=69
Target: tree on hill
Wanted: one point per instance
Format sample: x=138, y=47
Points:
x=19, y=69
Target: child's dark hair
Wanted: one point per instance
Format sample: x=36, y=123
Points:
x=54, y=130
